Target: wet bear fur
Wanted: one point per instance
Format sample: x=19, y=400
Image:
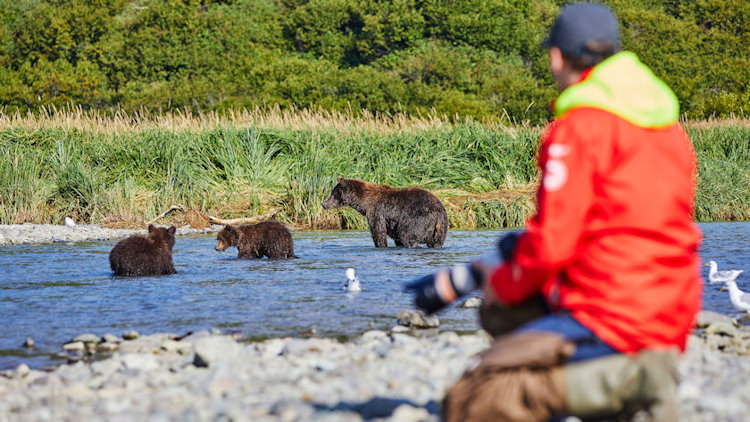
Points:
x=150, y=255
x=268, y=238
x=410, y=216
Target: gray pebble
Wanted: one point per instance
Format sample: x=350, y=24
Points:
x=22, y=370
x=213, y=349
x=408, y=413
x=111, y=338
x=471, y=303
x=400, y=329
x=130, y=335
x=706, y=318
x=721, y=327
x=107, y=347
x=373, y=334
x=177, y=346
x=74, y=345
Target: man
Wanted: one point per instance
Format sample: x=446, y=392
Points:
x=602, y=287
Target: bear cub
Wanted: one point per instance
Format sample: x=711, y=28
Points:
x=410, y=216
x=150, y=255
x=268, y=238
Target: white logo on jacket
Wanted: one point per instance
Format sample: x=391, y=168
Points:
x=555, y=171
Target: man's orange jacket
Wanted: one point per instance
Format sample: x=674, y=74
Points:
x=613, y=240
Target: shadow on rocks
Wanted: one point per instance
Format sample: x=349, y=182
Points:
x=379, y=407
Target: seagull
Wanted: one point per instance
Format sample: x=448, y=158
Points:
x=740, y=300
x=69, y=222
x=716, y=276
x=352, y=282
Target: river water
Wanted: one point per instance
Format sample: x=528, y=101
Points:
x=54, y=292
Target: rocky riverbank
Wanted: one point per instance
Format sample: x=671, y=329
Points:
x=27, y=234
x=380, y=375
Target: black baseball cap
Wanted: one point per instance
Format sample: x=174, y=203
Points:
x=579, y=23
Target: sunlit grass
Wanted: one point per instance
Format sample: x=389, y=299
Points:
x=122, y=170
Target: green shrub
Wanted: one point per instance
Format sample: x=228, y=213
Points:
x=468, y=58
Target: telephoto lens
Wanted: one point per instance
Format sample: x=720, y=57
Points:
x=436, y=291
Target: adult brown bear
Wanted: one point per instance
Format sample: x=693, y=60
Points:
x=150, y=255
x=269, y=238
x=410, y=216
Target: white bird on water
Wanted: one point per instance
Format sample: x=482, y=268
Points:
x=352, y=282
x=740, y=300
x=716, y=276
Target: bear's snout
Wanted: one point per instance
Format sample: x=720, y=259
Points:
x=330, y=203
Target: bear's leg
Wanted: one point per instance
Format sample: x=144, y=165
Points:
x=257, y=252
x=272, y=253
x=411, y=243
x=407, y=240
x=434, y=244
x=168, y=268
x=378, y=231
x=437, y=231
x=243, y=252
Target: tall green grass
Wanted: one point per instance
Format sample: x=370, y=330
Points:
x=723, y=173
x=110, y=173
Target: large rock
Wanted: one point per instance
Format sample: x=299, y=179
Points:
x=471, y=303
x=147, y=344
x=722, y=328
x=88, y=339
x=706, y=318
x=139, y=362
x=417, y=319
x=213, y=349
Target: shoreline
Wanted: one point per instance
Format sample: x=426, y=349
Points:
x=40, y=234
x=376, y=376
x=44, y=234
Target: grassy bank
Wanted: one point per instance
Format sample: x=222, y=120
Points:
x=123, y=170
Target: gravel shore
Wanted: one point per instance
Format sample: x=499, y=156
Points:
x=378, y=376
x=30, y=234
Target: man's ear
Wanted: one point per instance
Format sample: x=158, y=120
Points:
x=556, y=60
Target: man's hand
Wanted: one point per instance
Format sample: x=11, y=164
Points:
x=507, y=245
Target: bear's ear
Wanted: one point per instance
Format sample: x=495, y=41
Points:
x=340, y=179
x=234, y=232
x=151, y=228
x=171, y=230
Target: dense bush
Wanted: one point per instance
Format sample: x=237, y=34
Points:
x=478, y=58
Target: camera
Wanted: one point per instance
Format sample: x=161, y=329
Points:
x=435, y=291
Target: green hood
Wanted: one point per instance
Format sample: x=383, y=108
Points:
x=624, y=86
